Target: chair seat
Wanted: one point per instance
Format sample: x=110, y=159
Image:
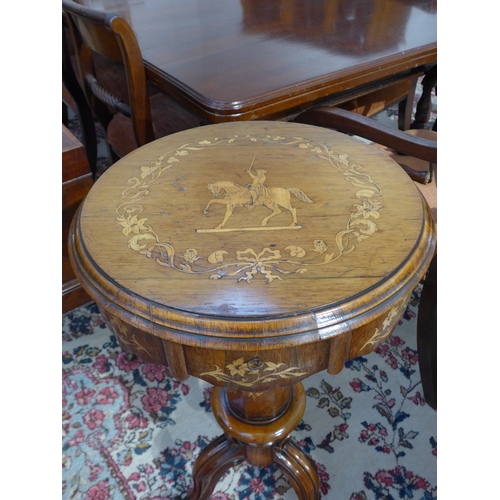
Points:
x=168, y=117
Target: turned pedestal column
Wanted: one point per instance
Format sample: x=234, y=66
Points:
x=260, y=434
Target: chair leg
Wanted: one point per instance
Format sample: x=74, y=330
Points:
x=427, y=335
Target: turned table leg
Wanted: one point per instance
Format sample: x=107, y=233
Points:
x=257, y=429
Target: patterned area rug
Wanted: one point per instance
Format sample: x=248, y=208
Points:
x=131, y=432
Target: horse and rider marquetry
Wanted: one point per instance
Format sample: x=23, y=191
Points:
x=251, y=196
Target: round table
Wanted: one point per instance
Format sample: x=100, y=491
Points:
x=252, y=255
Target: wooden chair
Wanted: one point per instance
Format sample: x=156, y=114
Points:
x=131, y=115
x=417, y=154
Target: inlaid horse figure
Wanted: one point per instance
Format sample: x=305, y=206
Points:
x=233, y=195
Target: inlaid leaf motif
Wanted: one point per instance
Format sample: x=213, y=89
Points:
x=134, y=242
x=273, y=366
x=329, y=257
x=365, y=193
x=165, y=248
x=217, y=257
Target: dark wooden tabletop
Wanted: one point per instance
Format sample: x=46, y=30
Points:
x=252, y=59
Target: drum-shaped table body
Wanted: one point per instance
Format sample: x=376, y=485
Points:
x=253, y=255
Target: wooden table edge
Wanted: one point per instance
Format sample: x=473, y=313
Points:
x=310, y=91
x=193, y=329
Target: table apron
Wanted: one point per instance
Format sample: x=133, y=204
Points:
x=255, y=365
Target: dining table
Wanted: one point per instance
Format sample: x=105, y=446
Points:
x=235, y=60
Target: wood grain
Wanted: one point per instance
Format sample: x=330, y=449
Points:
x=253, y=312
x=257, y=59
x=141, y=231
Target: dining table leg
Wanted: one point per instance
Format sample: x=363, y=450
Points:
x=424, y=105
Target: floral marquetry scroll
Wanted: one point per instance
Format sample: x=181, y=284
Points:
x=382, y=333
x=246, y=263
x=255, y=371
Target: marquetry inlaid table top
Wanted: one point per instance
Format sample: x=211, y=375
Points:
x=252, y=254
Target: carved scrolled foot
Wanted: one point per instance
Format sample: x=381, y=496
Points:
x=221, y=454
x=298, y=468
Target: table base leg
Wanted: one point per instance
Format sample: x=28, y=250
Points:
x=298, y=468
x=260, y=444
x=221, y=454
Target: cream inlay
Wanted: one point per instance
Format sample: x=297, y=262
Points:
x=244, y=374
x=247, y=263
